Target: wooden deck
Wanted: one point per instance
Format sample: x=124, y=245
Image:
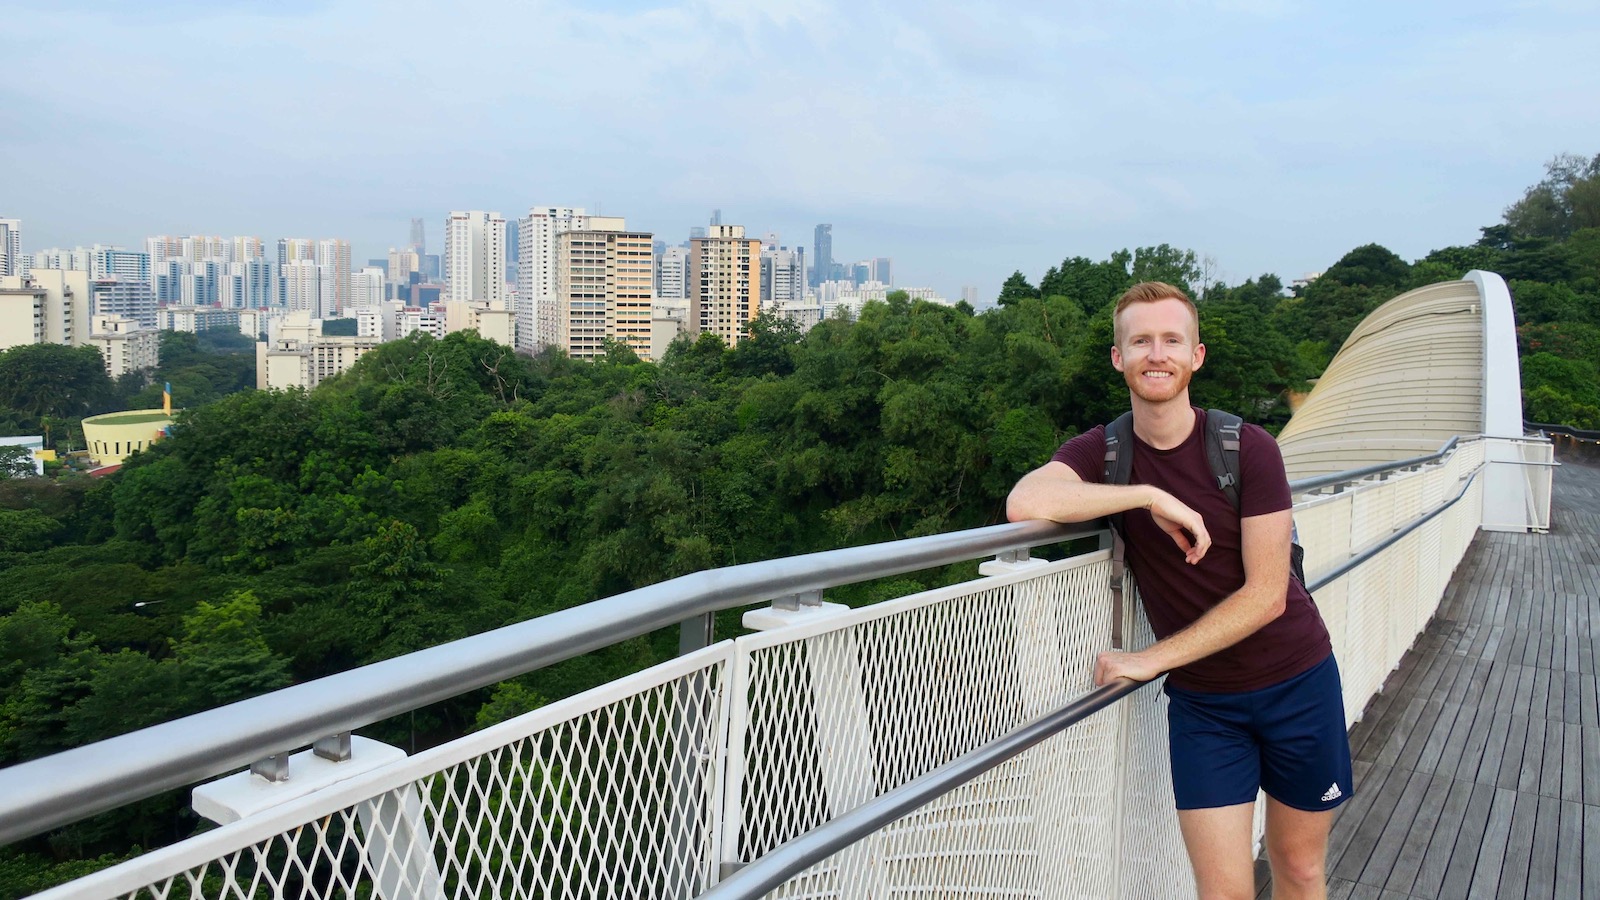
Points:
x=1477, y=767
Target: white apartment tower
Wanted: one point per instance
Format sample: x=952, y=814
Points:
x=475, y=257
x=50, y=306
x=672, y=271
x=333, y=255
x=10, y=247
x=783, y=275
x=724, y=282
x=304, y=290
x=366, y=288
x=539, y=315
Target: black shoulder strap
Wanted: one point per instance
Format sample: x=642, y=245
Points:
x=1118, y=469
x=1222, y=451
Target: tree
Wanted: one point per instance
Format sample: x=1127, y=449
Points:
x=1016, y=288
x=1566, y=200
x=53, y=380
x=16, y=461
x=223, y=656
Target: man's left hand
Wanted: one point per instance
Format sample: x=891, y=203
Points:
x=1110, y=666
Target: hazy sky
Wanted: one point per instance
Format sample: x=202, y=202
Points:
x=963, y=139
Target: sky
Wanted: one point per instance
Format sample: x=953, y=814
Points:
x=964, y=140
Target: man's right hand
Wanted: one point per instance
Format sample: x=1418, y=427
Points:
x=1181, y=523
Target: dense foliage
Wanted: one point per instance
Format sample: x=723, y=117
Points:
x=441, y=488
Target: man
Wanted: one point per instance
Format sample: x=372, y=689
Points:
x=1254, y=691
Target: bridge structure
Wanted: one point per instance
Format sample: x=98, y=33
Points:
x=948, y=743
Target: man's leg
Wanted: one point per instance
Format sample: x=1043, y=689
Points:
x=1297, y=847
x=1218, y=841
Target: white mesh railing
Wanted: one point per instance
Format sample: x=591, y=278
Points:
x=660, y=784
x=613, y=793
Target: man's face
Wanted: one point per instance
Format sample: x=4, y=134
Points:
x=1159, y=350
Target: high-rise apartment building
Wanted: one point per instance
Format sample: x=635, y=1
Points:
x=246, y=248
x=475, y=257
x=603, y=285
x=724, y=282
x=822, y=258
x=115, y=262
x=672, y=272
x=305, y=289
x=132, y=300
x=333, y=254
x=539, y=314
x=783, y=274
x=10, y=247
x=366, y=288
x=296, y=250
x=49, y=306
x=127, y=345
x=161, y=249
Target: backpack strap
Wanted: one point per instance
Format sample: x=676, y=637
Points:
x=1222, y=451
x=1118, y=469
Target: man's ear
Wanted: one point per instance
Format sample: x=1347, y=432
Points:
x=1116, y=358
x=1199, y=355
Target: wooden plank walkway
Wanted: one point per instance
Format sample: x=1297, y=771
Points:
x=1478, y=766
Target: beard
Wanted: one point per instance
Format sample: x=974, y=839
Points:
x=1158, y=392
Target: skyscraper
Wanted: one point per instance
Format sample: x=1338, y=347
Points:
x=672, y=269
x=10, y=246
x=881, y=271
x=475, y=257
x=783, y=273
x=822, y=259
x=419, y=237
x=724, y=282
x=333, y=255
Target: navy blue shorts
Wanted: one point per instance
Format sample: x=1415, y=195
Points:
x=1288, y=740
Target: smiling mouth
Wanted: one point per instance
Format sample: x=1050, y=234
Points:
x=1157, y=374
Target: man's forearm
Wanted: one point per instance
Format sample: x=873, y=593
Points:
x=1242, y=614
x=1039, y=496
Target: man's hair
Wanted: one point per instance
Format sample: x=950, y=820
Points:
x=1150, y=292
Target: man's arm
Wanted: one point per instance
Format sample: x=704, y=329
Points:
x=1243, y=613
x=1055, y=492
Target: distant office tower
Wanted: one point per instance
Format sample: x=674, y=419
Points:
x=716, y=217
x=724, y=282
x=539, y=315
x=697, y=231
x=861, y=273
x=403, y=265
x=822, y=259
x=672, y=270
x=969, y=294
x=783, y=274
x=513, y=250
x=603, y=285
x=769, y=241
x=303, y=288
x=333, y=255
x=880, y=271
x=366, y=288
x=49, y=306
x=10, y=246
x=419, y=237
x=475, y=257
x=133, y=300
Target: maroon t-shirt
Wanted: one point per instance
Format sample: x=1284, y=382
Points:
x=1175, y=593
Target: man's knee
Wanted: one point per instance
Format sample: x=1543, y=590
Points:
x=1304, y=868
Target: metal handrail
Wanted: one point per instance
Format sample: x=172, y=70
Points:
x=1567, y=430
x=798, y=854
x=65, y=787
x=1317, y=482
x=789, y=859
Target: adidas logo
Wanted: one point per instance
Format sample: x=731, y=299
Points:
x=1333, y=793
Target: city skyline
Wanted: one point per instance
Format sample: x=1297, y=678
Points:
x=964, y=141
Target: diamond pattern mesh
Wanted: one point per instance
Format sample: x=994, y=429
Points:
x=617, y=802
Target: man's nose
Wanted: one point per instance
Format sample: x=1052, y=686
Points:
x=1158, y=351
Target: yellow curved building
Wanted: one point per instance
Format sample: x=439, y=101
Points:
x=113, y=436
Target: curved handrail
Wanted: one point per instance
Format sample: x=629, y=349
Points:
x=1567, y=430
x=1317, y=482
x=65, y=787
